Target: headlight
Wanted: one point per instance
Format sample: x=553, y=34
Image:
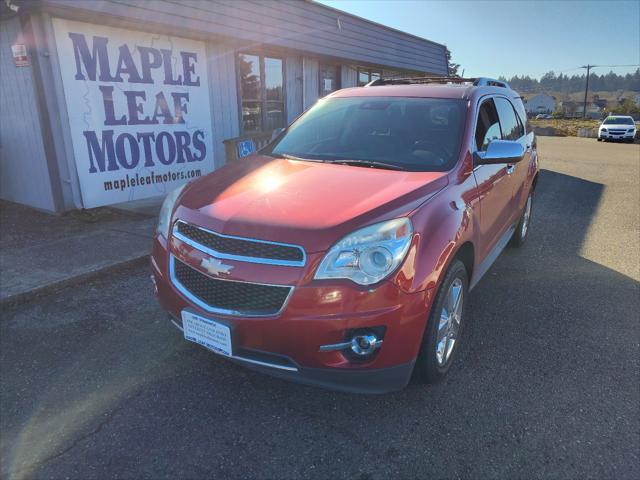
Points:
x=370, y=254
x=631, y=130
x=602, y=129
x=164, y=222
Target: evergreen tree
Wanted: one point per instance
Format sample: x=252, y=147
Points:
x=452, y=67
x=550, y=82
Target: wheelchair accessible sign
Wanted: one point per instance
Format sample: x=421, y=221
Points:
x=246, y=148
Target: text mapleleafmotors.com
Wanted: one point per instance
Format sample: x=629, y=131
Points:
x=150, y=179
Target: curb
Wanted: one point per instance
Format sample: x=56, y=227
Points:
x=20, y=298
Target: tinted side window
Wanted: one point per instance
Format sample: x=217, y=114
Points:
x=488, y=127
x=520, y=126
x=521, y=113
x=510, y=127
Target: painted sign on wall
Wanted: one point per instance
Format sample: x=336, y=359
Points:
x=139, y=110
x=20, y=58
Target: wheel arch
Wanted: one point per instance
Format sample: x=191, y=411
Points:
x=534, y=183
x=466, y=254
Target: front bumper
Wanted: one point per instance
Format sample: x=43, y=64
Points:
x=616, y=136
x=318, y=313
x=363, y=380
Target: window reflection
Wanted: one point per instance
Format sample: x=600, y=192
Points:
x=250, y=76
x=366, y=75
x=262, y=92
x=251, y=116
x=273, y=78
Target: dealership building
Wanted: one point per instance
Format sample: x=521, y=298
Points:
x=111, y=101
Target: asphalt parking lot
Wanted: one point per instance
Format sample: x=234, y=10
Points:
x=96, y=383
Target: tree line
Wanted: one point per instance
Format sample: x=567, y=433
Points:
x=550, y=82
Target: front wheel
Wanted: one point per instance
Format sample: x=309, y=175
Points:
x=522, y=229
x=444, y=326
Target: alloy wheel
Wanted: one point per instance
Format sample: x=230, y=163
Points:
x=525, y=218
x=450, y=318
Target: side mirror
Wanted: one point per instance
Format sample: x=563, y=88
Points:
x=276, y=132
x=500, y=151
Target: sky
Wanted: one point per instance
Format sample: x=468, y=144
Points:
x=512, y=37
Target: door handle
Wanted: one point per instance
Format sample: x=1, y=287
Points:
x=510, y=168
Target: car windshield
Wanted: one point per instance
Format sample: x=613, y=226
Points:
x=414, y=134
x=618, y=121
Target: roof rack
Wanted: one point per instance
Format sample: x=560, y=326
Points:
x=477, y=82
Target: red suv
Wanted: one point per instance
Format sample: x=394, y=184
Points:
x=343, y=253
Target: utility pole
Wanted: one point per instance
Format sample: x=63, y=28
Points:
x=586, y=89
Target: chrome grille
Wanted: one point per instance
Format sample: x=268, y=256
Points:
x=237, y=248
x=228, y=296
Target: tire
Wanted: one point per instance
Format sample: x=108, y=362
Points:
x=433, y=363
x=599, y=139
x=522, y=229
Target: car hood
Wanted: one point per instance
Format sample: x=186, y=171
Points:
x=619, y=126
x=307, y=203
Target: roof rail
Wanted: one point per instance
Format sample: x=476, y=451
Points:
x=490, y=82
x=478, y=82
x=417, y=80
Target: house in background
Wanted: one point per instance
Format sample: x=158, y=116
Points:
x=600, y=102
x=568, y=108
x=572, y=109
x=593, y=111
x=540, y=103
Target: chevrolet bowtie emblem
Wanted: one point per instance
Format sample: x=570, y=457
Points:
x=215, y=266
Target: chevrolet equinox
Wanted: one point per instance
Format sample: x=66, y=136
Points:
x=343, y=253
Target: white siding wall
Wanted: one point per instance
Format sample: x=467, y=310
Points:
x=303, y=26
x=349, y=76
x=293, y=87
x=24, y=175
x=311, y=88
x=223, y=93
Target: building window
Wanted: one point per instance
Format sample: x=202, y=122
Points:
x=329, y=79
x=261, y=92
x=366, y=75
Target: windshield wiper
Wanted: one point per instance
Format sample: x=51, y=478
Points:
x=368, y=163
x=293, y=157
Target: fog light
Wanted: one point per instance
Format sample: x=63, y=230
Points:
x=360, y=343
x=364, y=344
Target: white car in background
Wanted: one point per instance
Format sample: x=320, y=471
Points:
x=617, y=127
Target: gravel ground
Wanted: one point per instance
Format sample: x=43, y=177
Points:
x=96, y=383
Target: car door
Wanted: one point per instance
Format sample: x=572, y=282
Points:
x=512, y=129
x=521, y=175
x=495, y=190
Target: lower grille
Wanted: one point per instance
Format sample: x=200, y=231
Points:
x=228, y=296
